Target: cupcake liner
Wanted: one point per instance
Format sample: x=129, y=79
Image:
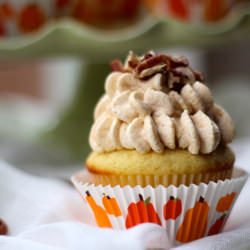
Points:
x=186, y=212
x=154, y=181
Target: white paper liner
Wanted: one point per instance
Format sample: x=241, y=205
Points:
x=204, y=215
x=154, y=180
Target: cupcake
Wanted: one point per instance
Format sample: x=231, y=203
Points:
x=156, y=124
x=160, y=151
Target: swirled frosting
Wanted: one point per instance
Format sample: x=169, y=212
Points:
x=158, y=104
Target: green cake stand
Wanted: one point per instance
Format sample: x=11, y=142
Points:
x=96, y=48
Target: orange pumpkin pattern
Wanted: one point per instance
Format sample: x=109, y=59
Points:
x=83, y=12
x=130, y=8
x=6, y=11
x=150, y=4
x=194, y=224
x=217, y=226
x=2, y=28
x=105, y=12
x=111, y=206
x=192, y=227
x=172, y=209
x=225, y=202
x=100, y=214
x=179, y=8
x=60, y=4
x=141, y=212
x=215, y=10
x=31, y=18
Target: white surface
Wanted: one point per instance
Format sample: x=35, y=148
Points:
x=48, y=214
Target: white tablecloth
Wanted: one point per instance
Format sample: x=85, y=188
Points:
x=44, y=213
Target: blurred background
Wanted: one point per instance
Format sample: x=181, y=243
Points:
x=54, y=56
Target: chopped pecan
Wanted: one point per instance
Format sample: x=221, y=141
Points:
x=177, y=86
x=178, y=77
x=116, y=65
x=3, y=227
x=151, y=71
x=132, y=64
x=131, y=61
x=148, y=55
x=178, y=61
x=178, y=73
x=150, y=62
x=174, y=82
x=185, y=73
x=175, y=70
x=198, y=75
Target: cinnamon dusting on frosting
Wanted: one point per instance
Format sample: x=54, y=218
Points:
x=155, y=102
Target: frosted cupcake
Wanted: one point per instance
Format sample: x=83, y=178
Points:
x=156, y=124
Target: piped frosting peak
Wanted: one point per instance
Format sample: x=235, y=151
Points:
x=156, y=102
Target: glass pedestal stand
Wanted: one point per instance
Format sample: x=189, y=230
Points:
x=97, y=48
x=71, y=133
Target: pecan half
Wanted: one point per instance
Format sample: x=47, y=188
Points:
x=178, y=61
x=150, y=62
x=176, y=86
x=178, y=73
x=116, y=65
x=151, y=71
x=198, y=75
x=132, y=64
x=185, y=73
x=148, y=55
x=3, y=227
x=131, y=61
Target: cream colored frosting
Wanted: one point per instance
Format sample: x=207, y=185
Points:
x=142, y=115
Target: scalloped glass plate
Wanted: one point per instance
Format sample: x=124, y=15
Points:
x=70, y=37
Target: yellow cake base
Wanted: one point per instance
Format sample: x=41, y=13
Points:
x=131, y=162
x=128, y=167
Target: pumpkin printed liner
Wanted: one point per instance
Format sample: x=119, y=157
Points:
x=186, y=212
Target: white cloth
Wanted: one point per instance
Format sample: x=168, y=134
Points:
x=45, y=214
x=49, y=214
